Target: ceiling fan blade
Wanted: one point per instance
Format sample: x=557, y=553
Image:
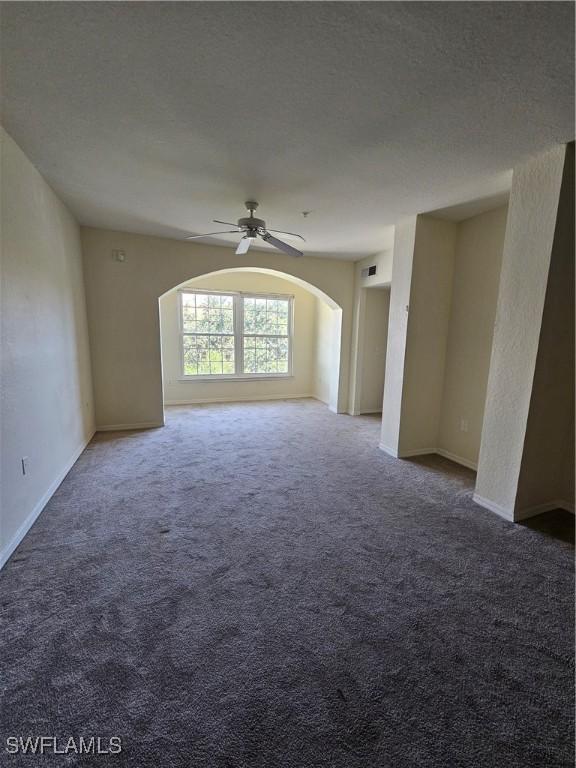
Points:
x=281, y=245
x=211, y=234
x=228, y=223
x=288, y=234
x=243, y=245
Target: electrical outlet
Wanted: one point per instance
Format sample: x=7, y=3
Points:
x=463, y=425
x=25, y=464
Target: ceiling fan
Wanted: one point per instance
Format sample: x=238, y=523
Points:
x=252, y=229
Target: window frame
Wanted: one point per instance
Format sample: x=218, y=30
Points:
x=238, y=314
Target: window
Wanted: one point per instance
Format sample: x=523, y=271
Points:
x=235, y=335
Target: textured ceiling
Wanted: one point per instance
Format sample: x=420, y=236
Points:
x=157, y=117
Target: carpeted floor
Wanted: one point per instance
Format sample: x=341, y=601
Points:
x=258, y=586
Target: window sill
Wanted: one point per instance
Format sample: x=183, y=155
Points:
x=253, y=377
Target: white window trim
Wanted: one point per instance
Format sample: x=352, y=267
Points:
x=238, y=336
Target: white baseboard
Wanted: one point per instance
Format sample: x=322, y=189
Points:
x=424, y=452
x=416, y=452
x=235, y=399
x=538, y=509
x=457, y=459
x=125, y=427
x=507, y=514
x=40, y=504
x=527, y=512
x=405, y=454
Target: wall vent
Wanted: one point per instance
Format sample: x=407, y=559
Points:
x=369, y=271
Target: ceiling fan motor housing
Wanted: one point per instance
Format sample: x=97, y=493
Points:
x=252, y=225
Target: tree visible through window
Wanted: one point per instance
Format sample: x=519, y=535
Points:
x=235, y=334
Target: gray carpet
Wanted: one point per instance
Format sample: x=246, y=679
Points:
x=257, y=585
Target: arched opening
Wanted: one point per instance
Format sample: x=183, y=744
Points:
x=231, y=364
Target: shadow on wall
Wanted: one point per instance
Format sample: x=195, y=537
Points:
x=316, y=342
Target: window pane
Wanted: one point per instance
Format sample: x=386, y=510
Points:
x=208, y=338
x=265, y=354
x=266, y=316
x=249, y=360
x=207, y=313
x=208, y=355
x=188, y=311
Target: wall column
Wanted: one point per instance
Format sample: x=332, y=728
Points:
x=420, y=301
x=404, y=238
x=527, y=437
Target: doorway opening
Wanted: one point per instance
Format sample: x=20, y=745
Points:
x=372, y=337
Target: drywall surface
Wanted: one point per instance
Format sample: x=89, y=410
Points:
x=299, y=384
x=566, y=480
x=383, y=278
x=373, y=350
x=525, y=265
x=326, y=352
x=479, y=245
x=46, y=392
x=549, y=444
x=124, y=314
x=404, y=240
x=427, y=334
x=383, y=263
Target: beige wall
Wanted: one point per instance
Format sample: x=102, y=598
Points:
x=124, y=314
x=300, y=384
x=428, y=320
x=373, y=349
x=383, y=263
x=531, y=226
x=46, y=392
x=383, y=278
x=475, y=290
x=547, y=471
x=442, y=307
x=326, y=352
x=404, y=239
